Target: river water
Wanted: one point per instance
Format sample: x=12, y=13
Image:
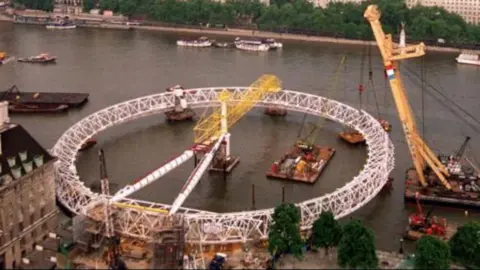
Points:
x=114, y=66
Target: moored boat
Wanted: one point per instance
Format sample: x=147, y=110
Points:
x=251, y=45
x=272, y=43
x=222, y=44
x=470, y=58
x=202, y=42
x=61, y=25
x=42, y=59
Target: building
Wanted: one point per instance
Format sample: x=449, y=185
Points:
x=468, y=9
x=28, y=215
x=69, y=6
x=324, y=3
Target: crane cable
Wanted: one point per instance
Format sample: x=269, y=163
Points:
x=431, y=94
x=370, y=79
x=332, y=85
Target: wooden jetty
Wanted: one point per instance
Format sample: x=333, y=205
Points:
x=41, y=101
x=306, y=169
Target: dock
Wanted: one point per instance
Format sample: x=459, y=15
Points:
x=439, y=195
x=291, y=172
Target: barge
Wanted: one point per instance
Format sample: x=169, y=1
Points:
x=32, y=108
x=302, y=164
x=45, y=100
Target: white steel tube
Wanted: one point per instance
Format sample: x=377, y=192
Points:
x=195, y=176
x=155, y=175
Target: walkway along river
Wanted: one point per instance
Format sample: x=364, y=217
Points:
x=114, y=66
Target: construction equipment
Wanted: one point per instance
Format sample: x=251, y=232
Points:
x=112, y=255
x=421, y=154
x=420, y=224
x=208, y=128
x=307, y=142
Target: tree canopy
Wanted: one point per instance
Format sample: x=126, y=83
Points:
x=300, y=16
x=326, y=231
x=432, y=253
x=357, y=247
x=465, y=244
x=284, y=235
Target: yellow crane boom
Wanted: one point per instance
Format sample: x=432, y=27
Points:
x=420, y=152
x=209, y=128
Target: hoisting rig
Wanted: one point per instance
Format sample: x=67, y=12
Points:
x=211, y=136
x=391, y=53
x=455, y=190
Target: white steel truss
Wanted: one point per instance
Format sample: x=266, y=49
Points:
x=145, y=218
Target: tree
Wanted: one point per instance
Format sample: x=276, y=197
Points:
x=465, y=244
x=357, y=246
x=284, y=235
x=326, y=231
x=88, y=5
x=432, y=253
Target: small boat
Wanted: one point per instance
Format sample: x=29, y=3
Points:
x=471, y=58
x=43, y=108
x=275, y=111
x=253, y=46
x=272, y=43
x=4, y=58
x=222, y=44
x=202, y=42
x=61, y=25
x=88, y=144
x=386, y=125
x=42, y=59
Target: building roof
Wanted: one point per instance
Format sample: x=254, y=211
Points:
x=14, y=139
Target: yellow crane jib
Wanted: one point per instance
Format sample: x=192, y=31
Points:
x=209, y=127
x=420, y=152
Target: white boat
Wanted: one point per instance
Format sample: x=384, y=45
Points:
x=272, y=43
x=470, y=58
x=61, y=26
x=202, y=42
x=250, y=45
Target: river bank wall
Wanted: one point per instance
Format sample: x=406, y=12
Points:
x=233, y=32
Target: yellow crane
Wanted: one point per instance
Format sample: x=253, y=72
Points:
x=421, y=154
x=210, y=128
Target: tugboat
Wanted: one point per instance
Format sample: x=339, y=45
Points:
x=201, y=42
x=88, y=144
x=275, y=111
x=43, y=58
x=181, y=112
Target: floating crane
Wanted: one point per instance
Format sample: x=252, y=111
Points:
x=421, y=154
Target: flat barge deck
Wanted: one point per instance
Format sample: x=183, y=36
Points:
x=13, y=95
x=299, y=166
x=438, y=195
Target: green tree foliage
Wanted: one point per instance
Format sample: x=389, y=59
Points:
x=357, y=247
x=432, y=253
x=284, y=235
x=326, y=231
x=45, y=5
x=465, y=244
x=88, y=5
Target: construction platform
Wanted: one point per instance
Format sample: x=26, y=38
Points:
x=173, y=116
x=294, y=165
x=352, y=137
x=415, y=235
x=439, y=195
x=225, y=166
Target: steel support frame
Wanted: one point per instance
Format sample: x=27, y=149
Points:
x=214, y=228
